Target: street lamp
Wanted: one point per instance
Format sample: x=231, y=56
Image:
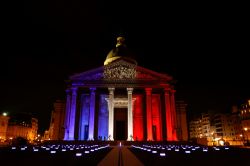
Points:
x=246, y=134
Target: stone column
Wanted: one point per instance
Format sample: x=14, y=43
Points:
x=130, y=114
x=149, y=113
x=111, y=114
x=72, y=114
x=169, y=127
x=173, y=116
x=92, y=114
x=67, y=115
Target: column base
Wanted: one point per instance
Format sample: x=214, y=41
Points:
x=91, y=139
x=110, y=138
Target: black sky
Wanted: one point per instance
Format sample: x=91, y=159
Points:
x=204, y=46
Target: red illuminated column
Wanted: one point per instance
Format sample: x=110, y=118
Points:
x=173, y=113
x=149, y=113
x=168, y=116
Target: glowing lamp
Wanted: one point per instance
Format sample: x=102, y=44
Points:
x=221, y=142
x=78, y=154
x=162, y=154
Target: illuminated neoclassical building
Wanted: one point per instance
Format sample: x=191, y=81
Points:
x=120, y=101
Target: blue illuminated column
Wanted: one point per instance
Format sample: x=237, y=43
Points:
x=72, y=114
x=103, y=117
x=92, y=113
x=111, y=114
x=67, y=114
x=84, y=118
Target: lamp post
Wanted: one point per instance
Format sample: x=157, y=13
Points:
x=242, y=139
x=246, y=135
x=212, y=138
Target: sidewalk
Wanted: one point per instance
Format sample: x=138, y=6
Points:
x=120, y=156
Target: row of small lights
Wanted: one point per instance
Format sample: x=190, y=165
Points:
x=64, y=148
x=186, y=148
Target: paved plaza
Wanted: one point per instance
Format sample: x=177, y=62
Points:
x=137, y=154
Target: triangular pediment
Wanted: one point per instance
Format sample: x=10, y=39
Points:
x=120, y=70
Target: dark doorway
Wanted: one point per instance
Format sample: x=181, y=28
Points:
x=86, y=132
x=154, y=133
x=120, y=124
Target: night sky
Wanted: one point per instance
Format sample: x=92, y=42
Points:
x=205, y=47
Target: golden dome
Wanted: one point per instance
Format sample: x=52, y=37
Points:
x=120, y=51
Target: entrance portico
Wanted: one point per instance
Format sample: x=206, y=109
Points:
x=147, y=100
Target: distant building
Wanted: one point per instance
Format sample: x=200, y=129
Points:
x=195, y=128
x=200, y=127
x=216, y=129
x=22, y=125
x=18, y=125
x=4, y=119
x=181, y=113
x=245, y=121
x=56, y=128
x=227, y=127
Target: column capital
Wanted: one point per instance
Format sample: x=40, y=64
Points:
x=130, y=90
x=167, y=89
x=92, y=89
x=173, y=91
x=67, y=91
x=74, y=90
x=111, y=91
x=148, y=91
